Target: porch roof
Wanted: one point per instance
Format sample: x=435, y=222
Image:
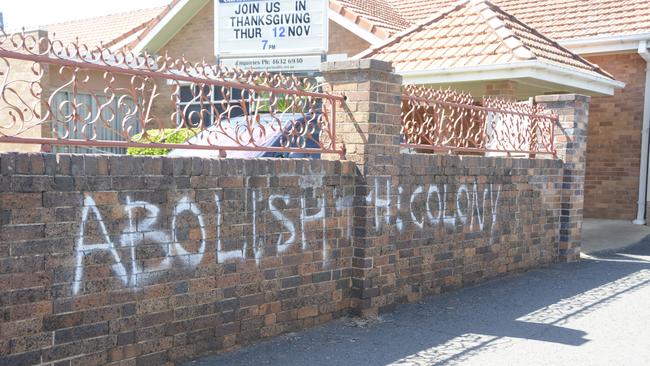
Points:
x=473, y=35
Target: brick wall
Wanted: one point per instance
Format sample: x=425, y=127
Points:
x=503, y=89
x=106, y=259
x=446, y=222
x=342, y=40
x=613, y=152
x=571, y=146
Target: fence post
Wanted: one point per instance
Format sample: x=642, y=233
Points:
x=369, y=125
x=571, y=145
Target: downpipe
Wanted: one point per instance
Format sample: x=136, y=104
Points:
x=645, y=136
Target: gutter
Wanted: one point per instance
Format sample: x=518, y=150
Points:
x=645, y=135
x=605, y=39
x=594, y=84
x=606, y=44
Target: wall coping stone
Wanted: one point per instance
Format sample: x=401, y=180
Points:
x=355, y=65
x=561, y=98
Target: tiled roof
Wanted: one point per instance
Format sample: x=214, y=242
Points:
x=558, y=19
x=474, y=33
x=418, y=10
x=114, y=29
x=376, y=16
x=577, y=19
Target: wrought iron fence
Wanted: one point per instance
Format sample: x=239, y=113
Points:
x=451, y=121
x=56, y=94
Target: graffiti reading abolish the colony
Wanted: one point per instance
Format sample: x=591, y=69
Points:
x=425, y=206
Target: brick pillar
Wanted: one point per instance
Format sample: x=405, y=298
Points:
x=571, y=145
x=369, y=121
x=369, y=126
x=502, y=89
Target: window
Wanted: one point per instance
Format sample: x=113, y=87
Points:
x=200, y=106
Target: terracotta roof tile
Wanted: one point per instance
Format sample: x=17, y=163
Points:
x=557, y=19
x=109, y=29
x=379, y=13
x=571, y=19
x=474, y=33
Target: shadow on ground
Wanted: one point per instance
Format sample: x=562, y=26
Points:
x=454, y=327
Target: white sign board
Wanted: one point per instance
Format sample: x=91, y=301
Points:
x=283, y=35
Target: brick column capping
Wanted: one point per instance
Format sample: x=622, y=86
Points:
x=369, y=125
x=571, y=145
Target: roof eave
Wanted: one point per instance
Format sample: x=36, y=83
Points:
x=543, y=71
x=361, y=23
x=353, y=27
x=606, y=44
x=172, y=23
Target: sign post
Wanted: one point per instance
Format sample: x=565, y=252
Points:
x=262, y=35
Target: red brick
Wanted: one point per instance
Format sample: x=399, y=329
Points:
x=307, y=312
x=614, y=141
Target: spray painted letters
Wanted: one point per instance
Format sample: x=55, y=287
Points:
x=290, y=223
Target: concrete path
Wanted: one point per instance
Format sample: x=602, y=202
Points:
x=610, y=235
x=596, y=312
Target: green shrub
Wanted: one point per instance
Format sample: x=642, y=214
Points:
x=282, y=103
x=169, y=135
